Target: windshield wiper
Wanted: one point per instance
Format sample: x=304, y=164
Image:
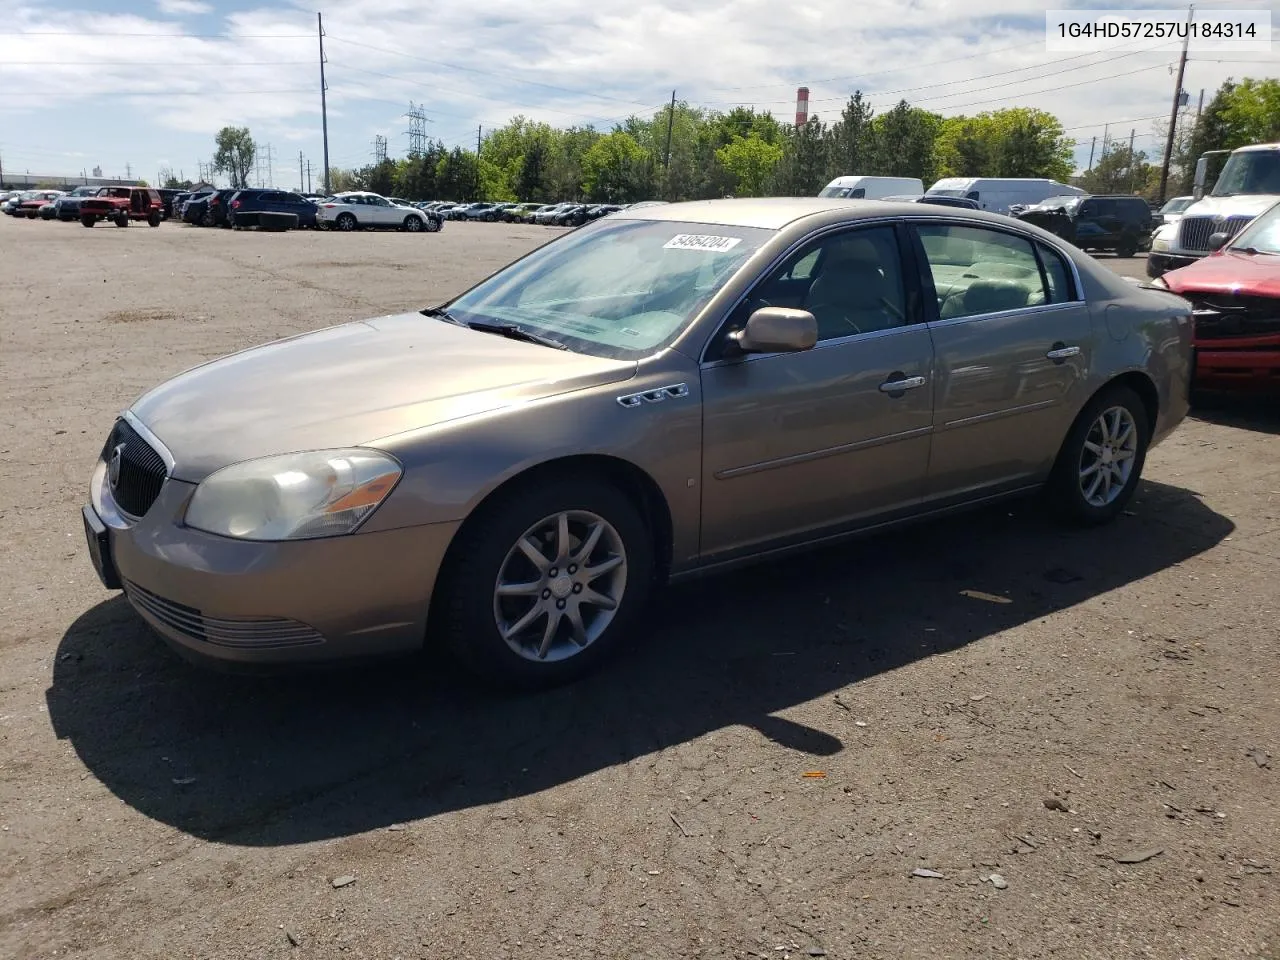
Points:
x=512, y=332
x=443, y=314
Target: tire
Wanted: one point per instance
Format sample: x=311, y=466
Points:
x=433, y=225
x=122, y=220
x=88, y=221
x=487, y=551
x=207, y=219
x=346, y=222
x=489, y=218
x=1076, y=472
x=1127, y=247
x=154, y=219
x=413, y=224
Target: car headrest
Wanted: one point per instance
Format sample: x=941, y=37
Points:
x=991, y=295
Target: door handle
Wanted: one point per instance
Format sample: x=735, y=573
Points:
x=901, y=386
x=1062, y=352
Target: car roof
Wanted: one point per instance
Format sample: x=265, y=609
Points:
x=774, y=213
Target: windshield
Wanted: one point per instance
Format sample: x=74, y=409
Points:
x=1069, y=202
x=1262, y=235
x=1251, y=171
x=945, y=193
x=618, y=289
x=1177, y=204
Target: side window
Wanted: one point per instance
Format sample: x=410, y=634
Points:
x=977, y=271
x=1056, y=276
x=851, y=282
x=858, y=194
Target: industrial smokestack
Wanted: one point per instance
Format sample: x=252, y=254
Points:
x=802, y=106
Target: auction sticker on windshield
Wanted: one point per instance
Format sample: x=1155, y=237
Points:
x=695, y=241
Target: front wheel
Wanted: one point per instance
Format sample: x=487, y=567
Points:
x=1127, y=247
x=346, y=223
x=1101, y=460
x=433, y=225
x=413, y=224
x=154, y=219
x=122, y=220
x=547, y=583
x=88, y=221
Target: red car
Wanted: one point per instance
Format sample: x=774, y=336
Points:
x=122, y=204
x=1236, y=294
x=30, y=208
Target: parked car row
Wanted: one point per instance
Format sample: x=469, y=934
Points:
x=565, y=214
x=89, y=205
x=266, y=208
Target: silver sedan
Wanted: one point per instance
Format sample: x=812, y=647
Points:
x=667, y=391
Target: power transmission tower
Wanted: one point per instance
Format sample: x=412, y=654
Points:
x=417, y=130
x=380, y=149
x=128, y=172
x=270, y=177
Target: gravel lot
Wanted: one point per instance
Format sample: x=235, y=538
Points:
x=661, y=809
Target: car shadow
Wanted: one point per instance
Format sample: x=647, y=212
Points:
x=1260, y=413
x=296, y=758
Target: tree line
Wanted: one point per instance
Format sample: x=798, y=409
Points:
x=690, y=153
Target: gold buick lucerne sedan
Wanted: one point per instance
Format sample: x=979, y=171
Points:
x=667, y=391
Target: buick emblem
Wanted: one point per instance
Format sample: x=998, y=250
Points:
x=113, y=466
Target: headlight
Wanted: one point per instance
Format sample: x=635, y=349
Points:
x=1159, y=243
x=298, y=496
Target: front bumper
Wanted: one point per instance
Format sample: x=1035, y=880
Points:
x=1246, y=370
x=1158, y=264
x=215, y=598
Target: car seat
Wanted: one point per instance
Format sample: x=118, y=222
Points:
x=852, y=294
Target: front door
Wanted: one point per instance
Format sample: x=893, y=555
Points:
x=801, y=442
x=1012, y=339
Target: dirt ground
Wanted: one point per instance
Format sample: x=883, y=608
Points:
x=662, y=809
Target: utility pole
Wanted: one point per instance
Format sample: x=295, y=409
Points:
x=302, y=175
x=324, y=108
x=671, y=122
x=1091, y=146
x=1177, y=102
x=1200, y=106
x=1, y=171
x=1105, y=140
x=308, y=176
x=479, y=130
x=1131, y=133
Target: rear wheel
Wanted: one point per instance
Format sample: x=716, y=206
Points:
x=433, y=225
x=346, y=222
x=122, y=220
x=413, y=224
x=1101, y=460
x=154, y=219
x=88, y=221
x=1127, y=247
x=546, y=584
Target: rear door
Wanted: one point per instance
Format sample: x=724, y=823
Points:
x=1013, y=342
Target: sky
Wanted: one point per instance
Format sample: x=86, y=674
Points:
x=138, y=86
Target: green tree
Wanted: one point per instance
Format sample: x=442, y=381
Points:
x=615, y=169
x=234, y=155
x=456, y=175
x=1030, y=143
x=1252, y=112
x=965, y=148
x=905, y=139
x=802, y=169
x=751, y=161
x=1120, y=170
x=851, y=148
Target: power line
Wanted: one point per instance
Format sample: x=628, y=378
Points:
x=488, y=73
x=162, y=36
x=150, y=63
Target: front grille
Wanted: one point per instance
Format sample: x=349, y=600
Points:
x=1194, y=232
x=264, y=633
x=1225, y=316
x=141, y=470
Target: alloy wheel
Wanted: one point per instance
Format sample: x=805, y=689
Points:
x=1108, y=456
x=560, y=586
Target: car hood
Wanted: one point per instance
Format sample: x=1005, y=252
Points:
x=353, y=384
x=1242, y=205
x=1231, y=271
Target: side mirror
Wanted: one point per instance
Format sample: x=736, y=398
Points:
x=1202, y=168
x=1218, y=240
x=777, y=330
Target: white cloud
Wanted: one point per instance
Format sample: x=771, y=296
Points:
x=570, y=61
x=178, y=8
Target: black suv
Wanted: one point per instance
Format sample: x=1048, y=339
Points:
x=1122, y=224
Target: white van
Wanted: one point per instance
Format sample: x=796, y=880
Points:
x=997, y=196
x=871, y=188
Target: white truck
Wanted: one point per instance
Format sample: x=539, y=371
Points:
x=871, y=188
x=1249, y=184
x=997, y=195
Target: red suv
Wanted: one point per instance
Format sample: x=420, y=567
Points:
x=122, y=204
x=1236, y=294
